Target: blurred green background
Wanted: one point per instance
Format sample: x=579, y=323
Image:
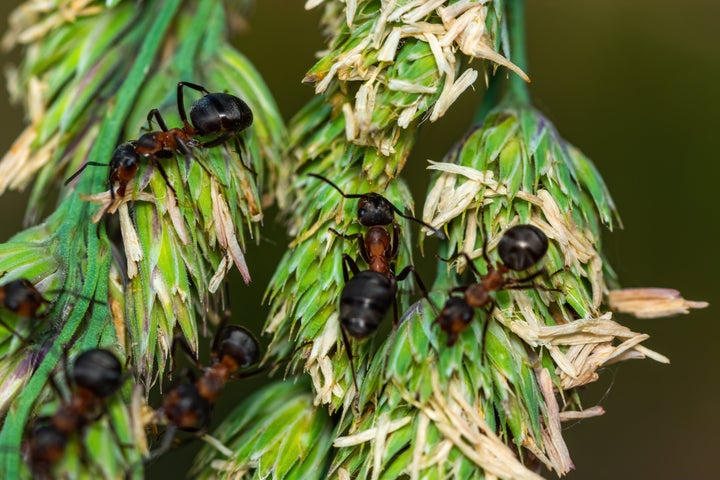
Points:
x=635, y=86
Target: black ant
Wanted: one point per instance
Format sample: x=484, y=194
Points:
x=188, y=406
x=219, y=114
x=368, y=295
x=22, y=298
x=376, y=212
x=96, y=375
x=520, y=247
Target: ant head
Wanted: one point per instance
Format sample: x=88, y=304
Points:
x=374, y=209
x=125, y=156
x=21, y=297
x=455, y=317
x=237, y=343
x=186, y=408
x=456, y=309
x=99, y=371
x=220, y=113
x=522, y=246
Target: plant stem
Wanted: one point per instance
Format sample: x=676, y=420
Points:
x=518, y=92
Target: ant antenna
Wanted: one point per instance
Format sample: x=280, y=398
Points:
x=80, y=170
x=435, y=231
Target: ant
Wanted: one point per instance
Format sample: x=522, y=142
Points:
x=219, y=114
x=22, y=298
x=188, y=406
x=368, y=295
x=520, y=247
x=96, y=375
x=376, y=212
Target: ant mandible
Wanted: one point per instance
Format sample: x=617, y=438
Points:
x=188, y=406
x=520, y=247
x=96, y=375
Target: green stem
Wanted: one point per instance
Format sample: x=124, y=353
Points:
x=518, y=92
x=489, y=100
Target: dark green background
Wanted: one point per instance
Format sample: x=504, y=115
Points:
x=634, y=84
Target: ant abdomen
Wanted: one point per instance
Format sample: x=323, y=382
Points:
x=522, y=246
x=239, y=344
x=220, y=113
x=364, y=301
x=98, y=371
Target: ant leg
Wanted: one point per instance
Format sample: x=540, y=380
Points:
x=485, y=238
x=158, y=118
x=349, y=263
x=14, y=332
x=239, y=149
x=167, y=439
x=165, y=177
x=395, y=242
x=348, y=350
x=224, y=319
x=529, y=277
x=521, y=283
x=411, y=269
x=179, y=339
x=217, y=141
x=345, y=195
x=181, y=102
x=185, y=150
x=469, y=261
x=361, y=244
x=485, y=331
